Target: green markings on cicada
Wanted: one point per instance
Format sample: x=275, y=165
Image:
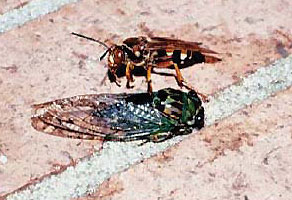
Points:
x=121, y=117
x=169, y=101
x=190, y=108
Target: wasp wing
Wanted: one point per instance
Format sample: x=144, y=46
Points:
x=115, y=117
x=173, y=44
x=184, y=53
x=168, y=44
x=132, y=41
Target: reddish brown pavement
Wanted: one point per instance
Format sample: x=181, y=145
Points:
x=42, y=61
x=8, y=5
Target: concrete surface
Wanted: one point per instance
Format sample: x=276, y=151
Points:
x=45, y=62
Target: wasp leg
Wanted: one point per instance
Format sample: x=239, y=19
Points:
x=129, y=74
x=189, y=87
x=148, y=78
x=117, y=80
x=183, y=83
x=179, y=77
x=102, y=82
x=112, y=76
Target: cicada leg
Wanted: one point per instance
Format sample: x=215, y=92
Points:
x=156, y=138
x=129, y=74
x=160, y=137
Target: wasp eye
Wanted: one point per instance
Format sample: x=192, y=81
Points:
x=111, y=59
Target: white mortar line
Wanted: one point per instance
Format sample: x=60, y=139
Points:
x=30, y=11
x=116, y=157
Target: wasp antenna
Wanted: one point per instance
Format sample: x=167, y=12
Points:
x=92, y=39
x=104, y=54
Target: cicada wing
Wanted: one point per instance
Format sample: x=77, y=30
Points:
x=105, y=116
x=69, y=117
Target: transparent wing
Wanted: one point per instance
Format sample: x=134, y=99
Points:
x=117, y=117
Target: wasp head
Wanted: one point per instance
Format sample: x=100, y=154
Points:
x=116, y=58
x=116, y=62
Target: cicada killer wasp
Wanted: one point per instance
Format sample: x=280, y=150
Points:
x=121, y=117
x=154, y=52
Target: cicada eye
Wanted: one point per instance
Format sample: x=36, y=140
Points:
x=193, y=94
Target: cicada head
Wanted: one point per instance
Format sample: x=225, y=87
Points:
x=193, y=111
x=185, y=108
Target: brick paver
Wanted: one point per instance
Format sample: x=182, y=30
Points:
x=8, y=5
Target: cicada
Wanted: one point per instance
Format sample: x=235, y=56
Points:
x=121, y=117
x=150, y=53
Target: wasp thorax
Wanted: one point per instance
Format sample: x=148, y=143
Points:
x=137, y=49
x=116, y=57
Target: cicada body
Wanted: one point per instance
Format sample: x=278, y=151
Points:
x=121, y=117
x=155, y=52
